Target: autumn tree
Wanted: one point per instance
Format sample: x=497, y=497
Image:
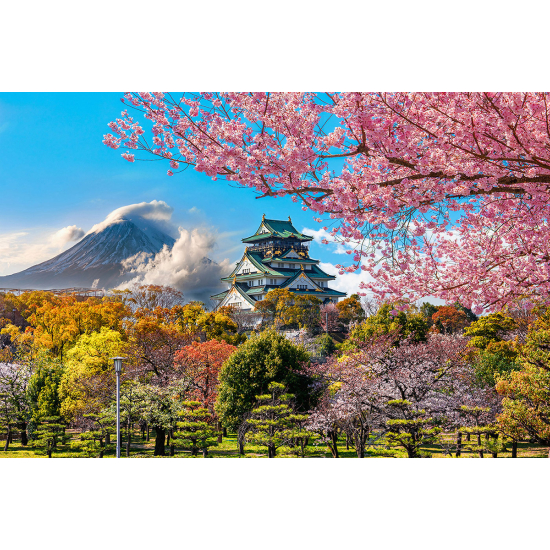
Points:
x=350, y=310
x=197, y=323
x=88, y=380
x=150, y=297
x=288, y=309
x=264, y=358
x=153, y=340
x=450, y=319
x=526, y=392
x=200, y=362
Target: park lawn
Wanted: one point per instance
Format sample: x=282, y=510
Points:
x=229, y=449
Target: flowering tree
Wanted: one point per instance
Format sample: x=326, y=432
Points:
x=409, y=392
x=414, y=178
x=329, y=317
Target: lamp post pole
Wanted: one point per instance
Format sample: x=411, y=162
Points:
x=118, y=370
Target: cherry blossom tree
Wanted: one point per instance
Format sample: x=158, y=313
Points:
x=409, y=392
x=442, y=194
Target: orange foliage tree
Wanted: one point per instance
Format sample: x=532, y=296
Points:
x=452, y=319
x=201, y=362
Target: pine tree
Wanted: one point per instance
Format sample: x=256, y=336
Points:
x=410, y=428
x=94, y=443
x=274, y=424
x=195, y=431
x=49, y=434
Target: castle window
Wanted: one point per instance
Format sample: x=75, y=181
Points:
x=302, y=287
x=247, y=270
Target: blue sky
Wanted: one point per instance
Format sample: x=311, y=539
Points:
x=56, y=173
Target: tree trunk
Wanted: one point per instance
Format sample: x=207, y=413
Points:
x=514, y=449
x=479, y=445
x=458, y=443
x=225, y=432
x=107, y=438
x=24, y=438
x=101, y=448
x=148, y=434
x=241, y=447
x=7, y=441
x=128, y=441
x=334, y=446
x=205, y=452
x=220, y=432
x=49, y=452
x=160, y=434
x=270, y=451
x=468, y=436
x=347, y=442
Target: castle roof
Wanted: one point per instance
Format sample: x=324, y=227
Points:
x=270, y=229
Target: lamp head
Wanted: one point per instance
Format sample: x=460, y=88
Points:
x=118, y=363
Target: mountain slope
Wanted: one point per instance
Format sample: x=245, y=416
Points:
x=98, y=255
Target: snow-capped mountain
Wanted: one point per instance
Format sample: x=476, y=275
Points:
x=95, y=261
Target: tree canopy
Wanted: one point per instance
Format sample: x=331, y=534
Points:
x=442, y=194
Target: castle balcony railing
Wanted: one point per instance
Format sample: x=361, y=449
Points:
x=263, y=248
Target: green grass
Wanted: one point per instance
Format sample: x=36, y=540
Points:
x=229, y=449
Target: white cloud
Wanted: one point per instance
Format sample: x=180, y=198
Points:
x=22, y=249
x=155, y=211
x=66, y=235
x=348, y=282
x=185, y=267
x=336, y=247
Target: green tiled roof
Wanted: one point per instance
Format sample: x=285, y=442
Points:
x=318, y=273
x=277, y=228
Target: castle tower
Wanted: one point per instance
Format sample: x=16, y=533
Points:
x=276, y=256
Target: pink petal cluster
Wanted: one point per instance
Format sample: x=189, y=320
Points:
x=447, y=193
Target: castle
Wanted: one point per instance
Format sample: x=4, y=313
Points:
x=276, y=256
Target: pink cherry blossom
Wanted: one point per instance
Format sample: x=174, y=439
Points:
x=449, y=191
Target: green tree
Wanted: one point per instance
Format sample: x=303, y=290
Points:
x=43, y=387
x=389, y=319
x=493, y=356
x=275, y=425
x=49, y=433
x=94, y=442
x=196, y=431
x=326, y=345
x=14, y=409
x=264, y=358
x=410, y=428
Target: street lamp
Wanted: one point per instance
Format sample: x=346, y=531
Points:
x=118, y=370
